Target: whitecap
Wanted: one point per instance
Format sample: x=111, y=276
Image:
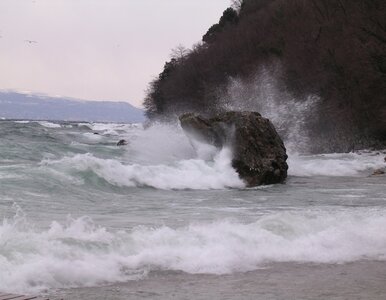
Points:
x=196, y=174
x=81, y=253
x=49, y=124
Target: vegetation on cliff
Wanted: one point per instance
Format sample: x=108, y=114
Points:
x=334, y=49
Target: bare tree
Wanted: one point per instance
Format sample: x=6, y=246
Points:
x=236, y=4
x=179, y=52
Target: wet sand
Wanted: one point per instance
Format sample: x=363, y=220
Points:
x=358, y=280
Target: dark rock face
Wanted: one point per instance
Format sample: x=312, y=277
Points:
x=259, y=155
x=378, y=172
x=122, y=143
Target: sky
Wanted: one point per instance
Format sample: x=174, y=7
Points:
x=96, y=49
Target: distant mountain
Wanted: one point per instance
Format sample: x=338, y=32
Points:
x=35, y=107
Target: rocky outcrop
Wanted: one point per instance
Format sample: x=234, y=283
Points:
x=122, y=143
x=378, y=172
x=259, y=155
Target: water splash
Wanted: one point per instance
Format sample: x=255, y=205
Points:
x=195, y=174
x=264, y=93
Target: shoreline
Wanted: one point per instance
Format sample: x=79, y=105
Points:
x=356, y=280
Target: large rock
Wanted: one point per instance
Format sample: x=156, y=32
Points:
x=259, y=155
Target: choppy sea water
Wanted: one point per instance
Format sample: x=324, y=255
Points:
x=164, y=217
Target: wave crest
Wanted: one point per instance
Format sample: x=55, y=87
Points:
x=196, y=174
x=80, y=253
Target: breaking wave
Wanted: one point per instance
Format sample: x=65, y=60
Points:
x=49, y=124
x=162, y=157
x=184, y=174
x=80, y=253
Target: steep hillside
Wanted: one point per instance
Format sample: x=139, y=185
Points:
x=331, y=51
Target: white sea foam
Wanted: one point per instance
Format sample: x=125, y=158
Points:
x=22, y=122
x=81, y=253
x=111, y=128
x=183, y=174
x=338, y=164
x=161, y=157
x=49, y=124
x=160, y=144
x=91, y=136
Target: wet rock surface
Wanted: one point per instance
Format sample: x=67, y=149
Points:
x=259, y=155
x=122, y=143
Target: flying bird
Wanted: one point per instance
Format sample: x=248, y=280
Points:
x=31, y=41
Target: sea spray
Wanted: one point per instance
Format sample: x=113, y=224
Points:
x=265, y=94
x=185, y=174
x=160, y=157
x=49, y=124
x=80, y=253
x=158, y=144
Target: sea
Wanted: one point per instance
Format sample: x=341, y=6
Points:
x=165, y=217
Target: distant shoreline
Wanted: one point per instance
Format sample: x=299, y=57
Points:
x=17, y=106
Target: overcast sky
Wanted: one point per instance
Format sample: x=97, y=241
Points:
x=96, y=49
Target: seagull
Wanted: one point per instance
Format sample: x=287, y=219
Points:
x=31, y=41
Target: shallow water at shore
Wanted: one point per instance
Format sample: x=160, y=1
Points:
x=358, y=280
